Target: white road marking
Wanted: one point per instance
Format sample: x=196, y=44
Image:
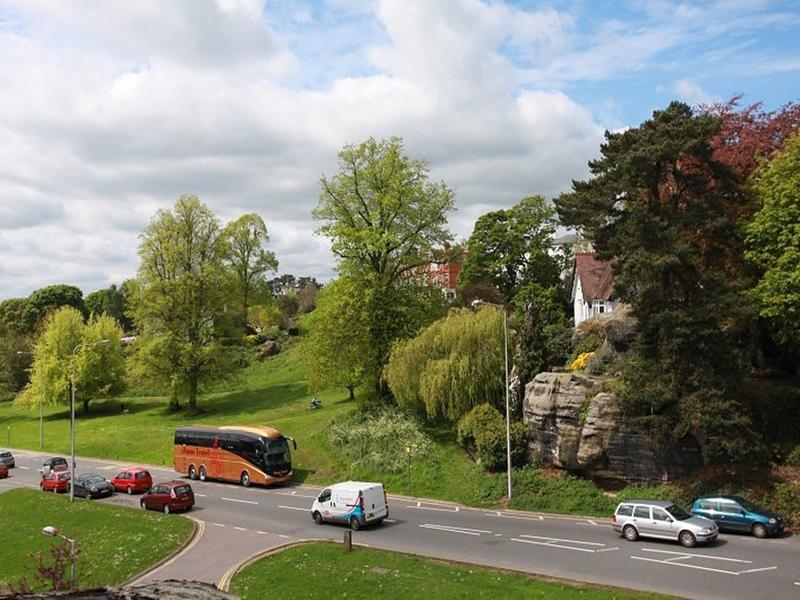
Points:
x=675, y=564
x=293, y=508
x=797, y=582
x=449, y=529
x=418, y=507
x=693, y=555
x=552, y=539
x=757, y=570
x=295, y=494
x=389, y=521
x=240, y=529
x=552, y=545
x=23, y=468
x=237, y=500
x=200, y=495
x=218, y=525
x=262, y=532
x=285, y=537
x=510, y=516
x=591, y=522
x=608, y=549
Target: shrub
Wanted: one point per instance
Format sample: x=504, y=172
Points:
x=483, y=430
x=598, y=362
x=382, y=439
x=580, y=362
x=794, y=457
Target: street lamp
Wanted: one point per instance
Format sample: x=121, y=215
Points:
x=53, y=532
x=41, y=408
x=475, y=303
x=72, y=416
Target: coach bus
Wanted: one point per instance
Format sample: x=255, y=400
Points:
x=247, y=454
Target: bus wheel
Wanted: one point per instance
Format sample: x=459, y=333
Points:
x=245, y=479
x=192, y=472
x=202, y=473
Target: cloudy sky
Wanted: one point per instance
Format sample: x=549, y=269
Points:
x=110, y=110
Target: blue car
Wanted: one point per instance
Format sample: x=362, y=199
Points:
x=733, y=513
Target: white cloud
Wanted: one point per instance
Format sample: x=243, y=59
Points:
x=691, y=92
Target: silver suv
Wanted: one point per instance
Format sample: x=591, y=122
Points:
x=663, y=520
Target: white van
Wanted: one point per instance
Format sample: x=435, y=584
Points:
x=356, y=503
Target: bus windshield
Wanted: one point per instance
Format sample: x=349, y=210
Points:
x=278, y=452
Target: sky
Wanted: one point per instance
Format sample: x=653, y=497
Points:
x=111, y=110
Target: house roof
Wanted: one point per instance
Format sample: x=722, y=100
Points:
x=596, y=276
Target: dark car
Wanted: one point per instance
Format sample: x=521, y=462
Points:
x=92, y=486
x=734, y=513
x=56, y=463
x=169, y=497
x=7, y=459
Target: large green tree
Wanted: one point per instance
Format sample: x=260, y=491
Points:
x=511, y=248
x=384, y=218
x=112, y=301
x=45, y=299
x=180, y=296
x=773, y=242
x=12, y=315
x=665, y=211
x=246, y=256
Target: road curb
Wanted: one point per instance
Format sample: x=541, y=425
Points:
x=225, y=581
x=198, y=529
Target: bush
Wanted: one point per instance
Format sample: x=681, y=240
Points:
x=580, y=362
x=382, y=439
x=556, y=492
x=794, y=457
x=483, y=430
x=598, y=362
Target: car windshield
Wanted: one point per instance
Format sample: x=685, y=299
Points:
x=278, y=452
x=93, y=478
x=182, y=489
x=677, y=512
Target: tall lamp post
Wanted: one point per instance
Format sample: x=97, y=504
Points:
x=508, y=410
x=53, y=532
x=41, y=408
x=72, y=416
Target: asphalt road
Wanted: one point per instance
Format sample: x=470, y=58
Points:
x=239, y=522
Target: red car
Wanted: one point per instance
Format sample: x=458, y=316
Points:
x=134, y=480
x=55, y=481
x=169, y=497
x=3, y=470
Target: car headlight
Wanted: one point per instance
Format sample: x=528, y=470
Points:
x=773, y=520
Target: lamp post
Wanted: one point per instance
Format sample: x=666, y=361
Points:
x=72, y=416
x=475, y=303
x=53, y=532
x=41, y=408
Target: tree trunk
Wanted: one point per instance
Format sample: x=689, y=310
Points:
x=86, y=406
x=193, y=393
x=351, y=389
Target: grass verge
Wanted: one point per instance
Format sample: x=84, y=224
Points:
x=115, y=543
x=324, y=570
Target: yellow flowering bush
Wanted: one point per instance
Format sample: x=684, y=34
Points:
x=580, y=362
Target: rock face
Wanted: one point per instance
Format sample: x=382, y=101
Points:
x=268, y=348
x=573, y=426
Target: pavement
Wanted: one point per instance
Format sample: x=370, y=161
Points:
x=238, y=522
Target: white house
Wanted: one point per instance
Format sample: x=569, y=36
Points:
x=592, y=287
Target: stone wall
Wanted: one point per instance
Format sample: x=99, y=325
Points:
x=575, y=426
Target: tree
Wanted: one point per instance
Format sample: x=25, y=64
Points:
x=245, y=255
x=384, y=218
x=663, y=209
x=111, y=301
x=509, y=248
x=773, y=242
x=99, y=369
x=337, y=347
x=453, y=364
x=180, y=296
x=307, y=298
x=50, y=298
x=15, y=360
x=12, y=315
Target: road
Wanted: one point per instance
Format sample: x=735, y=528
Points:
x=239, y=522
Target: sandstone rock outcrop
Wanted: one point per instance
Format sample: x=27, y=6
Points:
x=575, y=426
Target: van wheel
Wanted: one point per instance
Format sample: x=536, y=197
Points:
x=355, y=524
x=317, y=518
x=245, y=479
x=130, y=490
x=759, y=530
x=202, y=473
x=687, y=539
x=166, y=509
x=192, y=472
x=630, y=533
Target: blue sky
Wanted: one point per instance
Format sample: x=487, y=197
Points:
x=111, y=110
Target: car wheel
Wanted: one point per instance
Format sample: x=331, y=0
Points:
x=166, y=509
x=355, y=524
x=759, y=530
x=687, y=539
x=202, y=473
x=318, y=518
x=130, y=490
x=630, y=533
x=245, y=479
x=192, y=472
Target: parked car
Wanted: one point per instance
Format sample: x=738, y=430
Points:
x=733, y=513
x=356, y=503
x=92, y=486
x=56, y=463
x=3, y=470
x=55, y=481
x=7, y=459
x=133, y=480
x=662, y=520
x=169, y=497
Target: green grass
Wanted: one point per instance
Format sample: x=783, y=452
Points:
x=115, y=543
x=324, y=570
x=273, y=392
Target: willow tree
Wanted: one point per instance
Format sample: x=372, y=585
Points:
x=453, y=364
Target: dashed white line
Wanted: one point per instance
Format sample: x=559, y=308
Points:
x=293, y=508
x=200, y=495
x=262, y=532
x=285, y=537
x=449, y=510
x=389, y=521
x=23, y=468
x=237, y=500
x=218, y=525
x=240, y=529
x=524, y=518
